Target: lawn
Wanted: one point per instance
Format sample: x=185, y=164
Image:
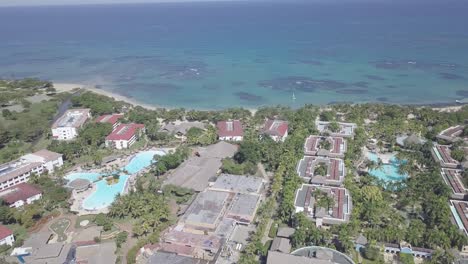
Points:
x=59, y=227
x=81, y=218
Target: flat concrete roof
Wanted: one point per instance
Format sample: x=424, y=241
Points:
x=238, y=183
x=206, y=209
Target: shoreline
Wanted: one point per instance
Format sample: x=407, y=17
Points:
x=68, y=87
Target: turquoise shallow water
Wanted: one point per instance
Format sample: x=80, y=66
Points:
x=387, y=172
x=105, y=194
x=216, y=55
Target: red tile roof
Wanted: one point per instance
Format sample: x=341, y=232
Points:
x=111, y=119
x=124, y=132
x=275, y=127
x=4, y=232
x=20, y=192
x=230, y=128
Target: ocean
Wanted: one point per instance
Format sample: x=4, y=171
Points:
x=250, y=54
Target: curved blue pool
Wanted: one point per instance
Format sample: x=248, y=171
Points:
x=387, y=172
x=105, y=193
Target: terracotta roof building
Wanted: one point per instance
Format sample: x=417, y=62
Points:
x=452, y=134
x=110, y=119
x=441, y=153
x=124, y=135
x=20, y=195
x=325, y=146
x=325, y=205
x=453, y=178
x=460, y=214
x=230, y=130
x=276, y=129
x=332, y=170
x=6, y=236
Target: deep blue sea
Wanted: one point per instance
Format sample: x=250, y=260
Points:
x=251, y=54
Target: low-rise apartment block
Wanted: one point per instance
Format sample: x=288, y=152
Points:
x=113, y=119
x=441, y=154
x=68, y=125
x=324, y=205
x=125, y=136
x=453, y=178
x=322, y=170
x=342, y=130
x=452, y=134
x=21, y=194
x=334, y=147
x=230, y=130
x=276, y=129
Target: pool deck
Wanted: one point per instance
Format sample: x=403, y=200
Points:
x=385, y=157
x=78, y=199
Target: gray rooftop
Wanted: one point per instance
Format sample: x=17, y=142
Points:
x=346, y=129
x=196, y=172
x=172, y=258
x=281, y=244
x=243, y=205
x=238, y=183
x=97, y=254
x=181, y=128
x=207, y=208
x=16, y=168
x=285, y=232
x=72, y=118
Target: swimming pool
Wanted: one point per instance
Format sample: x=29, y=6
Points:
x=105, y=193
x=387, y=172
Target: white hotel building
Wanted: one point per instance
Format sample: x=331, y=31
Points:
x=67, y=126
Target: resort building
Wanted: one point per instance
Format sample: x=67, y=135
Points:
x=406, y=248
x=321, y=170
x=110, y=119
x=20, y=195
x=179, y=129
x=453, y=178
x=281, y=244
x=50, y=160
x=441, y=154
x=243, y=208
x=334, y=147
x=237, y=184
x=276, y=129
x=406, y=140
x=324, y=205
x=452, y=134
x=343, y=129
x=197, y=172
x=18, y=171
x=230, y=130
x=124, y=136
x=460, y=214
x=6, y=236
x=67, y=126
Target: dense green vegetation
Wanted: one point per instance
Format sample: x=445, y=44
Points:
x=170, y=161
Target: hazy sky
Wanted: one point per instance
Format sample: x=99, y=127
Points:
x=71, y=2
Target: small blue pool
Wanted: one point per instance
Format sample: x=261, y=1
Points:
x=105, y=193
x=387, y=172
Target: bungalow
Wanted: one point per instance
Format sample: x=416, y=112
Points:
x=343, y=129
x=322, y=170
x=276, y=129
x=6, y=236
x=66, y=127
x=324, y=205
x=124, y=135
x=230, y=130
x=20, y=195
x=325, y=146
x=179, y=129
x=453, y=179
x=441, y=154
x=110, y=119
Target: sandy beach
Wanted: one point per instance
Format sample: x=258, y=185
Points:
x=68, y=87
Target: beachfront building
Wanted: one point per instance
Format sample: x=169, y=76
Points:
x=6, y=236
x=21, y=194
x=321, y=170
x=452, y=134
x=180, y=129
x=67, y=126
x=50, y=160
x=334, y=147
x=453, y=178
x=441, y=154
x=276, y=129
x=124, y=136
x=324, y=205
x=112, y=119
x=460, y=214
x=230, y=130
x=342, y=130
x=18, y=171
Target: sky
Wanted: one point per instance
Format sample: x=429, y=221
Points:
x=74, y=2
